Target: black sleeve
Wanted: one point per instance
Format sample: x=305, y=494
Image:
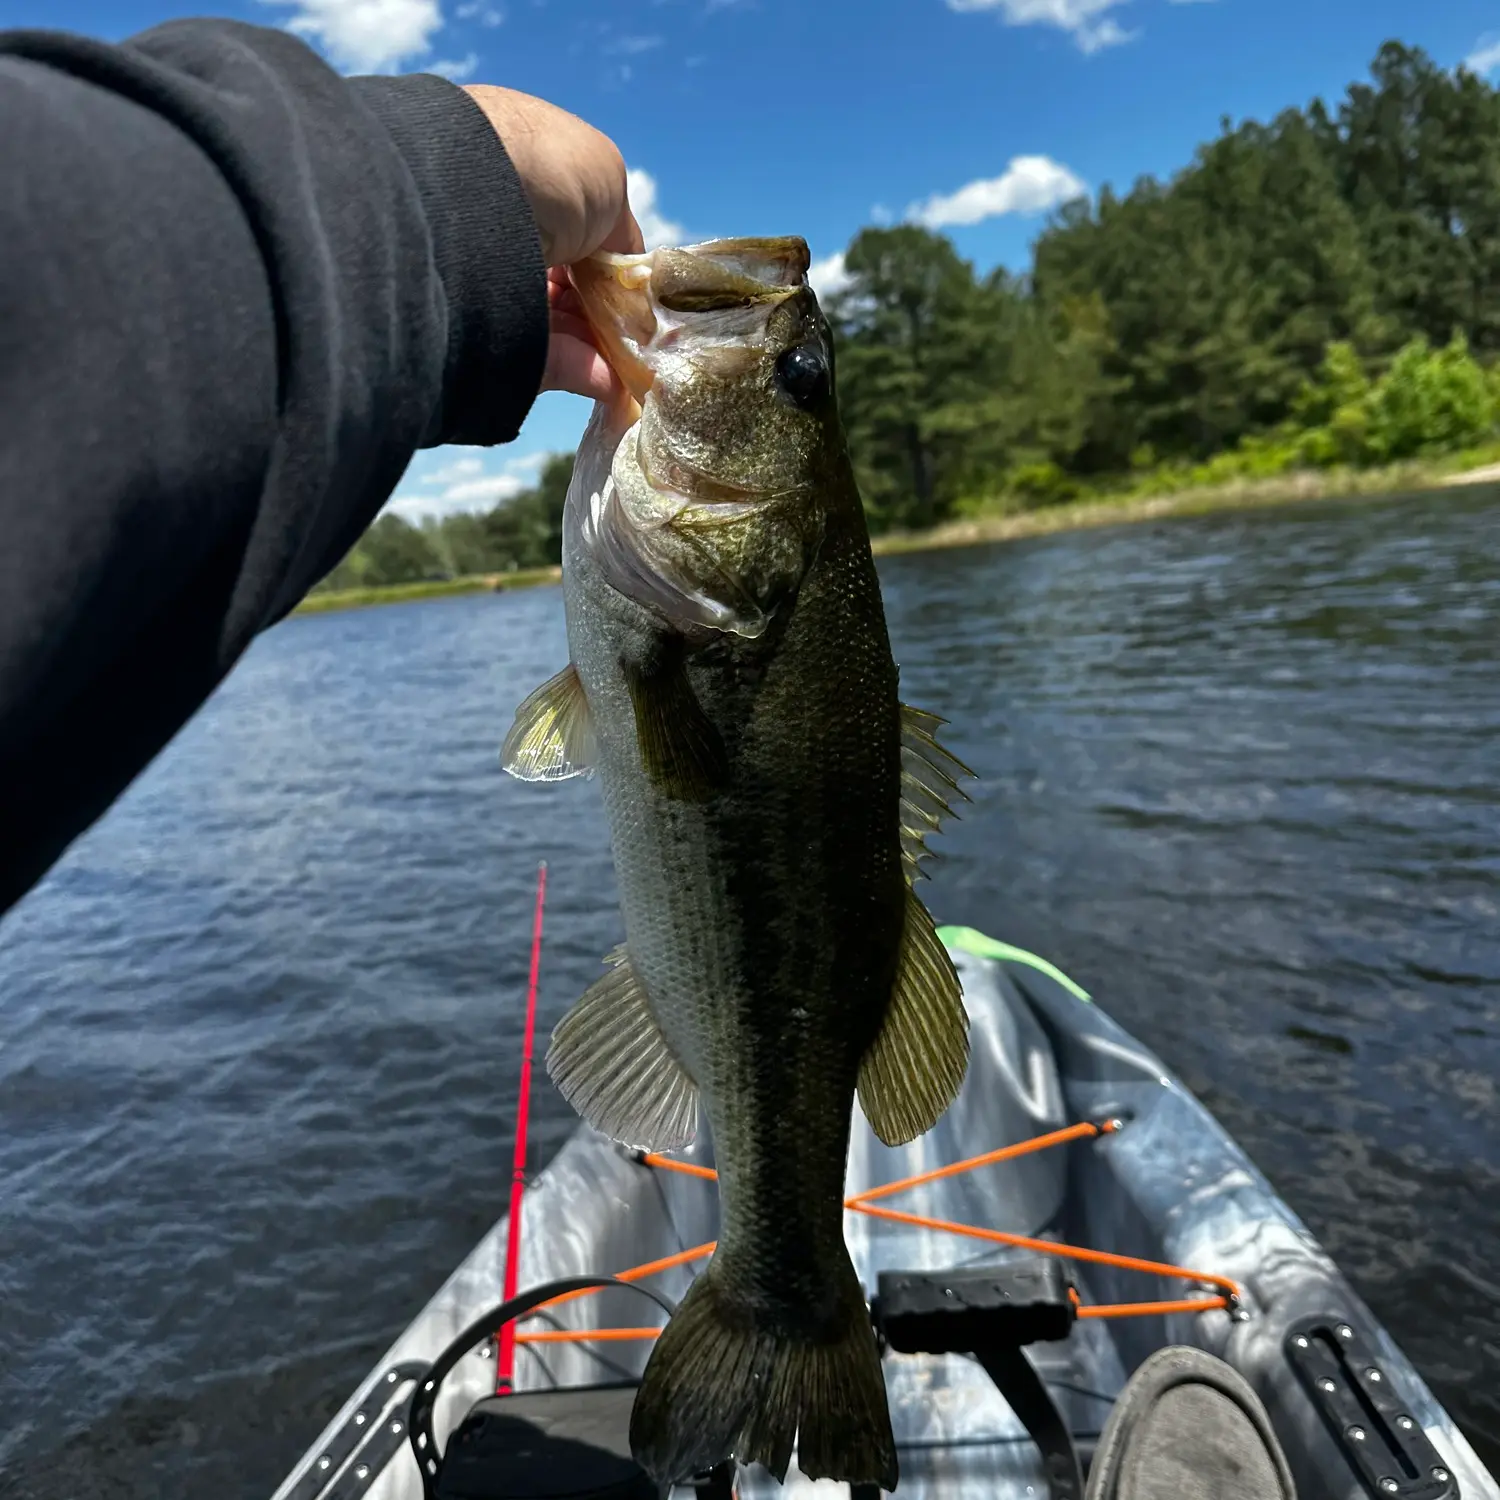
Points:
x=236, y=293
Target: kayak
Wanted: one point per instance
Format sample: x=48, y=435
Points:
x=1076, y=1210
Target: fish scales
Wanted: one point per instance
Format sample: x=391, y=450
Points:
x=768, y=796
x=764, y=924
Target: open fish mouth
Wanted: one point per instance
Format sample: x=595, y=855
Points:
x=636, y=304
x=696, y=499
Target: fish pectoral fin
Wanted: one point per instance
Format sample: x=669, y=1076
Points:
x=913, y=1070
x=553, y=736
x=929, y=780
x=610, y=1061
x=681, y=751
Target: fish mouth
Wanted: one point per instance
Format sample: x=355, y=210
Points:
x=699, y=548
x=634, y=301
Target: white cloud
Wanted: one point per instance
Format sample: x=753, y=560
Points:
x=456, y=70
x=474, y=480
x=1485, y=57
x=1029, y=185
x=633, y=46
x=1084, y=20
x=460, y=468
x=477, y=10
x=656, y=228
x=1107, y=33
x=367, y=35
x=828, y=276
x=474, y=494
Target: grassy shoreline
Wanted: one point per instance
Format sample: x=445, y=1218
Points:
x=1238, y=494
x=1013, y=525
x=438, y=588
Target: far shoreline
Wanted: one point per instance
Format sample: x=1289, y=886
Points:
x=1073, y=515
x=1244, y=494
x=437, y=588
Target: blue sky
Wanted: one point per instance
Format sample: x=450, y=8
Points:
x=815, y=117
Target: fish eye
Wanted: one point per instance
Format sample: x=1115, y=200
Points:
x=802, y=373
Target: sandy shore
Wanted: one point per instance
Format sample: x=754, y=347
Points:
x=1286, y=489
x=1485, y=474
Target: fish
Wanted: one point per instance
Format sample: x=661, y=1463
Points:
x=769, y=797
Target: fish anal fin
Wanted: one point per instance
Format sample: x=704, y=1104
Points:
x=722, y=1383
x=680, y=749
x=915, y=1067
x=610, y=1061
x=553, y=735
x=929, y=784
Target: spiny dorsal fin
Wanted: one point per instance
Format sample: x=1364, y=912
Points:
x=610, y=1061
x=929, y=777
x=553, y=736
x=915, y=1067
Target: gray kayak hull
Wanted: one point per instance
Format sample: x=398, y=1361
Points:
x=1170, y=1186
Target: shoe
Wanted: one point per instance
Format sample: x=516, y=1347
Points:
x=1189, y=1427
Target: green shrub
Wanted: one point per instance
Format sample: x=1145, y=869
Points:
x=1039, y=484
x=1340, y=382
x=1429, y=402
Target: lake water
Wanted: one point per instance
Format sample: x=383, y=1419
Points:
x=259, y=1031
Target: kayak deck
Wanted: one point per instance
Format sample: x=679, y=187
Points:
x=1168, y=1186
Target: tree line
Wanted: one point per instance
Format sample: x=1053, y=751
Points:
x=1320, y=290
x=524, y=531
x=1323, y=289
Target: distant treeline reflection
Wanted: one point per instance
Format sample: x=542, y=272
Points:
x=1320, y=291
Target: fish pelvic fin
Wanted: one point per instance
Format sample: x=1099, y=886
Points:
x=914, y=1068
x=553, y=736
x=929, y=785
x=611, y=1062
x=723, y=1383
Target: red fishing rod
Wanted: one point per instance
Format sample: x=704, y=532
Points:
x=505, y=1363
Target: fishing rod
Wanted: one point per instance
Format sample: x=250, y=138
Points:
x=506, y=1341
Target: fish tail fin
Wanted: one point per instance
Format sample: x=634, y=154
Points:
x=723, y=1383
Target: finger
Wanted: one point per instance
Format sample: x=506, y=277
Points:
x=575, y=366
x=563, y=297
x=625, y=238
x=571, y=326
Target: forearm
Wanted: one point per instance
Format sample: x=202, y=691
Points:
x=236, y=293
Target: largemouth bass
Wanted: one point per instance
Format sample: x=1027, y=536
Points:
x=768, y=796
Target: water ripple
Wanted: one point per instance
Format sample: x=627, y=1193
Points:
x=259, y=1030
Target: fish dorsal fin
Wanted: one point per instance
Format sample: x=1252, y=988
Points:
x=929, y=779
x=610, y=1061
x=553, y=736
x=915, y=1067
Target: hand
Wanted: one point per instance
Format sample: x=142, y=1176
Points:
x=574, y=179
x=574, y=362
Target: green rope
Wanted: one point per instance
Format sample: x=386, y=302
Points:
x=970, y=941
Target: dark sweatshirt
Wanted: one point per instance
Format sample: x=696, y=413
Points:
x=237, y=292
